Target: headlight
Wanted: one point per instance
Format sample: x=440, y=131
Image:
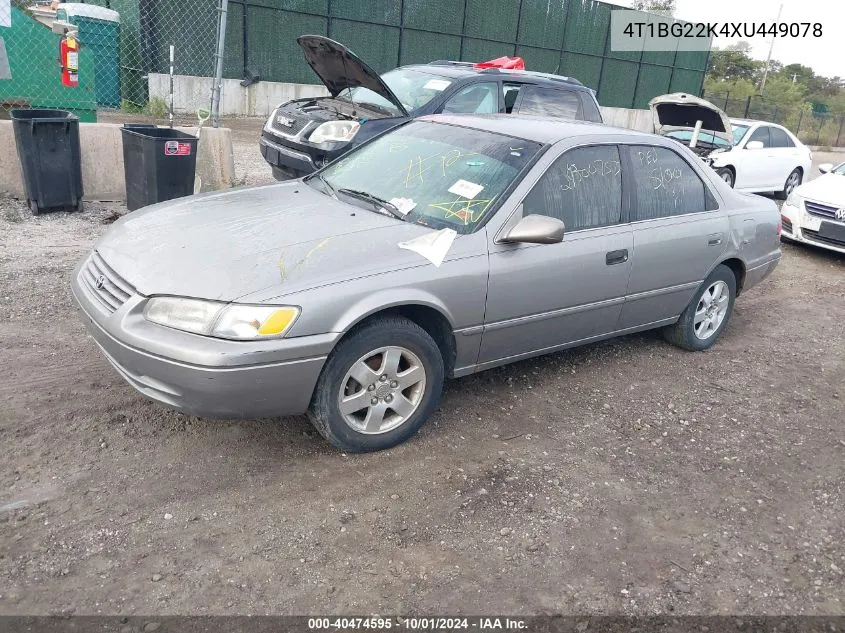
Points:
x=794, y=200
x=335, y=131
x=222, y=320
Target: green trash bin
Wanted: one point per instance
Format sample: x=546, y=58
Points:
x=99, y=30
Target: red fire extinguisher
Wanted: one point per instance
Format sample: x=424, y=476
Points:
x=69, y=61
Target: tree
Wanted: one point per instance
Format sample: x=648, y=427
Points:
x=741, y=46
x=666, y=6
x=730, y=65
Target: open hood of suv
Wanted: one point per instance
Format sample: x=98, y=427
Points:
x=680, y=111
x=339, y=68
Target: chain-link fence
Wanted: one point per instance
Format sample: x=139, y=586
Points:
x=109, y=55
x=813, y=128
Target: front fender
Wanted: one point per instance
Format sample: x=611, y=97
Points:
x=367, y=306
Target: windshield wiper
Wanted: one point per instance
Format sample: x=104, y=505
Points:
x=327, y=185
x=378, y=203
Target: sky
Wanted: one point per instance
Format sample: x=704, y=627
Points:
x=821, y=54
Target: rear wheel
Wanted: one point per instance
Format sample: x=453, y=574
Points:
x=727, y=175
x=378, y=387
x=792, y=181
x=708, y=314
x=33, y=206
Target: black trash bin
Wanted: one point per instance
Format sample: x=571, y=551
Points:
x=159, y=164
x=48, y=148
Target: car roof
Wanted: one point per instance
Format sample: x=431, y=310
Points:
x=532, y=128
x=754, y=122
x=446, y=68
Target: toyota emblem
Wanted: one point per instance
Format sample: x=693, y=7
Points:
x=840, y=214
x=101, y=281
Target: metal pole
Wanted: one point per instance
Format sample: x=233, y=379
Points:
x=172, y=58
x=218, y=73
x=769, y=58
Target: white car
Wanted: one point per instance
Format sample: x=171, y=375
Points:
x=751, y=156
x=814, y=213
x=765, y=157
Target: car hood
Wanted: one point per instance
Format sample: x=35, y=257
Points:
x=680, y=111
x=339, y=68
x=279, y=238
x=829, y=189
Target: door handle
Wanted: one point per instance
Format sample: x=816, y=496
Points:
x=616, y=257
x=714, y=239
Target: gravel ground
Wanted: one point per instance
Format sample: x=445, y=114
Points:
x=625, y=477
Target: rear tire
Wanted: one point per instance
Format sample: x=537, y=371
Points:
x=33, y=206
x=727, y=175
x=793, y=180
x=378, y=387
x=707, y=315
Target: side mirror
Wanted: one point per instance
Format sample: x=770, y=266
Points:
x=825, y=167
x=754, y=145
x=536, y=229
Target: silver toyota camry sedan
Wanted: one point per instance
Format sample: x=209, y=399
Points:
x=445, y=247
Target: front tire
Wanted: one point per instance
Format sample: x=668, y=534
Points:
x=792, y=181
x=727, y=175
x=378, y=387
x=707, y=315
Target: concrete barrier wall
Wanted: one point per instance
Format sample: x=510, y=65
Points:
x=190, y=93
x=625, y=117
x=101, y=145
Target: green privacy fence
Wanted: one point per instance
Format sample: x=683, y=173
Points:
x=570, y=37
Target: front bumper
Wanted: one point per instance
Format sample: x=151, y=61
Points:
x=286, y=159
x=801, y=226
x=200, y=375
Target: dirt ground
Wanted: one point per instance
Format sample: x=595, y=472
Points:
x=625, y=477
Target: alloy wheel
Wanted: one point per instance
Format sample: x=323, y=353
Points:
x=382, y=390
x=791, y=182
x=711, y=310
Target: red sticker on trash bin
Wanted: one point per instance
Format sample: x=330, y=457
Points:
x=175, y=148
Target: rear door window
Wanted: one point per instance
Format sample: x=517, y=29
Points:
x=583, y=188
x=664, y=184
x=780, y=138
x=562, y=104
x=761, y=134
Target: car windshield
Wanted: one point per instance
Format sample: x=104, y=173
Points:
x=739, y=132
x=439, y=175
x=840, y=169
x=413, y=88
x=703, y=137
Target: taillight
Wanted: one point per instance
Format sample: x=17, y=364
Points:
x=780, y=225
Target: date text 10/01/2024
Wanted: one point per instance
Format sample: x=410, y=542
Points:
x=417, y=623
